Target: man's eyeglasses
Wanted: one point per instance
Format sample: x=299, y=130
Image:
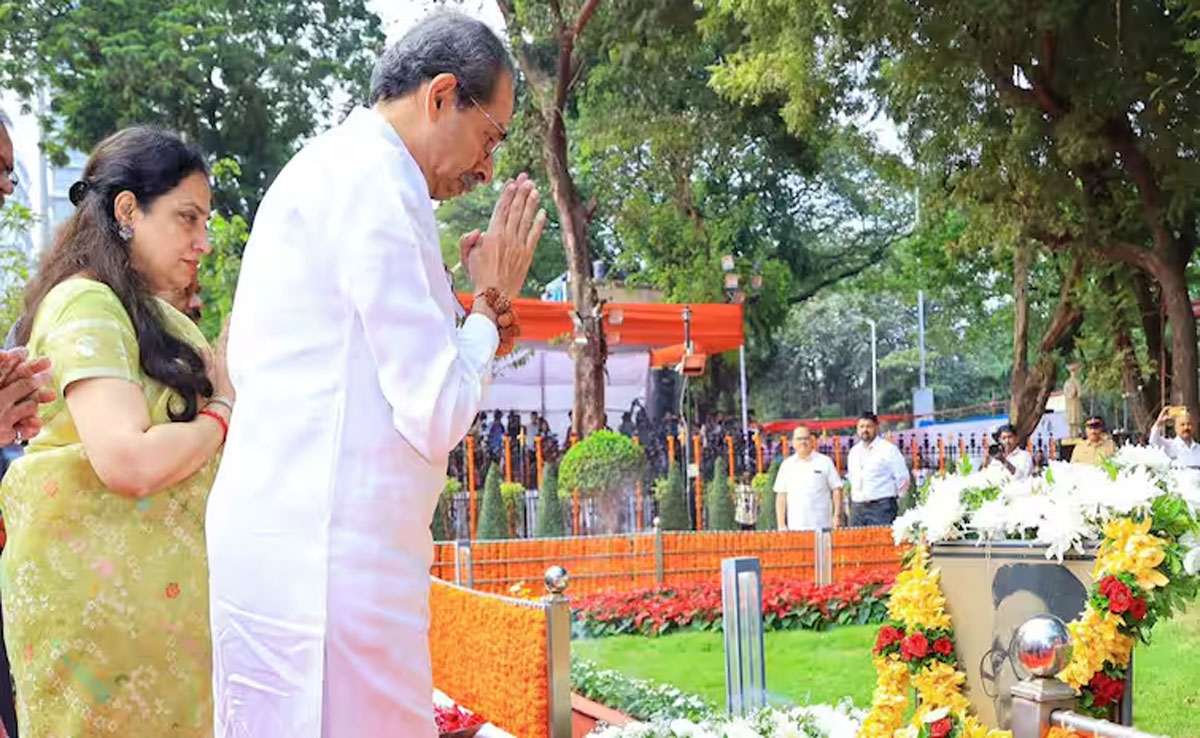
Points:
x=491, y=150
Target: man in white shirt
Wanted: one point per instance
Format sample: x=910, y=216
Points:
x=1016, y=461
x=878, y=476
x=357, y=371
x=1183, y=447
x=807, y=487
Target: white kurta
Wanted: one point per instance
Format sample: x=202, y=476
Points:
x=353, y=385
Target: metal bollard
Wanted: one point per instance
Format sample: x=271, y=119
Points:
x=658, y=551
x=463, y=574
x=558, y=651
x=741, y=606
x=823, y=558
x=1043, y=647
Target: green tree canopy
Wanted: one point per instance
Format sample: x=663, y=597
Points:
x=1066, y=127
x=248, y=81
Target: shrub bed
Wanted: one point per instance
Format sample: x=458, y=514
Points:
x=787, y=605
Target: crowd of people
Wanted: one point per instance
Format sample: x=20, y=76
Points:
x=524, y=431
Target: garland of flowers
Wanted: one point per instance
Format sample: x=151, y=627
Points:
x=1121, y=606
x=1142, y=507
x=916, y=648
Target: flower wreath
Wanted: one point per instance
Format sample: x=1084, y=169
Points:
x=1123, y=604
x=1129, y=595
x=916, y=648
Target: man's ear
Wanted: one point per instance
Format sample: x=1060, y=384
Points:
x=440, y=95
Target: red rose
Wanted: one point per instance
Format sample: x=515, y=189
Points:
x=1106, y=690
x=1107, y=584
x=1138, y=608
x=914, y=646
x=172, y=591
x=943, y=646
x=1120, y=600
x=940, y=728
x=888, y=635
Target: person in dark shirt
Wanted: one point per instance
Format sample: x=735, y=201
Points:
x=496, y=435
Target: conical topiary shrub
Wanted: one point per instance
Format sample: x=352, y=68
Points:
x=514, y=507
x=764, y=484
x=672, y=505
x=493, y=517
x=550, y=509
x=718, y=499
x=441, y=527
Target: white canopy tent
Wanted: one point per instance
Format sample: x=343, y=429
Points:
x=542, y=379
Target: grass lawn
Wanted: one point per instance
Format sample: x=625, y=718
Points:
x=801, y=665
x=1166, y=679
x=824, y=667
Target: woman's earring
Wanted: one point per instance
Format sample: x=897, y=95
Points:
x=125, y=231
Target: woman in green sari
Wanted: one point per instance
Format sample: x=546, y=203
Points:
x=104, y=578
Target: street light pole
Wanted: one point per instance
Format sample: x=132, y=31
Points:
x=874, y=364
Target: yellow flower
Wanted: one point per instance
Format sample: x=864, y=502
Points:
x=890, y=699
x=893, y=673
x=940, y=686
x=1097, y=639
x=1129, y=548
x=972, y=728
x=916, y=599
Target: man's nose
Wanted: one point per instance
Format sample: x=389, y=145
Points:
x=484, y=170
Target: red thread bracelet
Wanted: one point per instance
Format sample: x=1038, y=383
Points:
x=217, y=417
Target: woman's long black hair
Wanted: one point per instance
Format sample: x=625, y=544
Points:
x=149, y=162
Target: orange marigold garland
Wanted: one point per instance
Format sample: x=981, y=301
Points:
x=489, y=654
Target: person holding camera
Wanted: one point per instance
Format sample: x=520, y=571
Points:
x=1013, y=459
x=1183, y=448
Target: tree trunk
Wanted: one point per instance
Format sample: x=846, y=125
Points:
x=1183, y=336
x=1031, y=388
x=1142, y=391
x=1154, y=329
x=550, y=98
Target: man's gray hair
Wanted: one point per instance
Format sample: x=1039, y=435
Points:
x=445, y=42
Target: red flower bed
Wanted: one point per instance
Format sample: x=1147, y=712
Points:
x=787, y=605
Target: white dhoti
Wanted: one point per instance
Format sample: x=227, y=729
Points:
x=353, y=385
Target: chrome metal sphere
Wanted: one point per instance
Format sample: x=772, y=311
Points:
x=556, y=580
x=1043, y=646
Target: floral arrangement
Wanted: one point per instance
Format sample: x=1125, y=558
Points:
x=637, y=698
x=814, y=721
x=1141, y=576
x=787, y=605
x=453, y=719
x=1141, y=509
x=1064, y=508
x=489, y=653
x=916, y=649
